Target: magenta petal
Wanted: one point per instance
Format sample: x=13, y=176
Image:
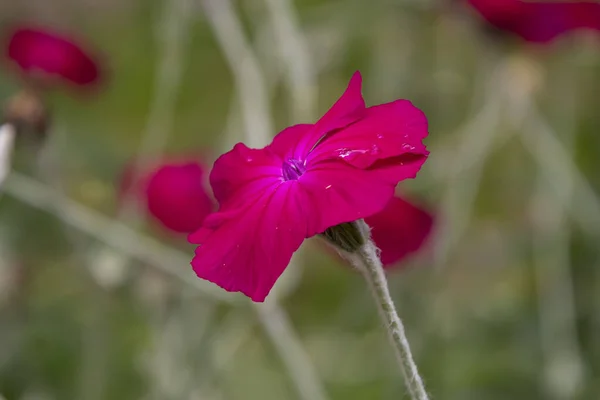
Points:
x=176, y=196
x=337, y=192
x=507, y=10
x=584, y=15
x=39, y=50
x=539, y=22
x=312, y=177
x=349, y=108
x=290, y=142
x=173, y=190
x=242, y=174
x=248, y=253
x=399, y=230
x=387, y=130
x=543, y=22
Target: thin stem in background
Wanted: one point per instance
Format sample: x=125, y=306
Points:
x=170, y=359
x=462, y=181
x=563, y=367
x=93, y=372
x=293, y=49
x=130, y=242
x=564, y=370
x=7, y=142
x=235, y=330
x=559, y=170
x=391, y=65
x=367, y=261
x=233, y=126
x=279, y=329
x=480, y=137
x=249, y=80
x=166, y=259
x=266, y=50
x=257, y=119
x=460, y=172
x=226, y=341
x=563, y=179
x=172, y=37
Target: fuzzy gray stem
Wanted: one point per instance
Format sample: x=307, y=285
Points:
x=368, y=262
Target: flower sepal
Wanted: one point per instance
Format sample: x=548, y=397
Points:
x=349, y=237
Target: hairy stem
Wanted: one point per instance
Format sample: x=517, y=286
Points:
x=368, y=262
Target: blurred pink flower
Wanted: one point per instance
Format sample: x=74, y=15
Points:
x=44, y=56
x=539, y=21
x=399, y=230
x=174, y=193
x=310, y=178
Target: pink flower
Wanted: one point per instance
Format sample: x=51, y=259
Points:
x=539, y=22
x=174, y=194
x=55, y=56
x=399, y=230
x=310, y=178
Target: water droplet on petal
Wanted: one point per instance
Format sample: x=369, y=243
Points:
x=351, y=154
x=343, y=153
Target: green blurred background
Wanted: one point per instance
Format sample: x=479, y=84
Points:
x=503, y=303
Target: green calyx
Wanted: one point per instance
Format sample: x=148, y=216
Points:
x=348, y=236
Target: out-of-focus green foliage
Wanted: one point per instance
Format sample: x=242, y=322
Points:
x=474, y=315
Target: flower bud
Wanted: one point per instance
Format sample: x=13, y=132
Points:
x=27, y=113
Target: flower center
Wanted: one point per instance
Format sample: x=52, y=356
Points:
x=292, y=169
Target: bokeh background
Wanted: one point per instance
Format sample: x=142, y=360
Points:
x=503, y=302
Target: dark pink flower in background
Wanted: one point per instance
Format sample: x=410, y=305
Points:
x=310, y=178
x=539, y=21
x=45, y=56
x=174, y=193
x=399, y=230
